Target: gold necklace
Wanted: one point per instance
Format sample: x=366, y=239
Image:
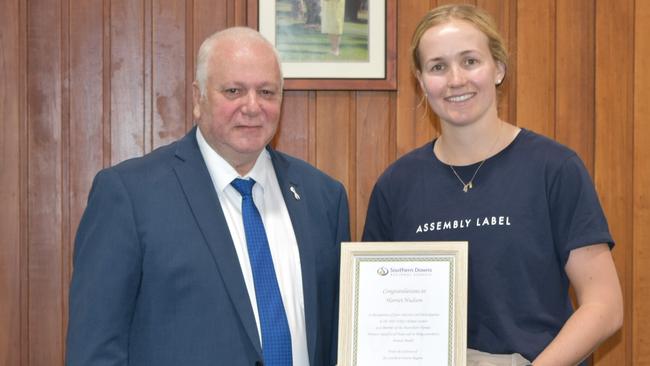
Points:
x=469, y=185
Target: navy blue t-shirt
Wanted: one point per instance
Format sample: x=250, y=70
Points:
x=530, y=205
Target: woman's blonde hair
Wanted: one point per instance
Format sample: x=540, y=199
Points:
x=469, y=13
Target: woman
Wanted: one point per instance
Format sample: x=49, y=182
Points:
x=332, y=19
x=525, y=203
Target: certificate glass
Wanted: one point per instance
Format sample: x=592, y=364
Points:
x=403, y=303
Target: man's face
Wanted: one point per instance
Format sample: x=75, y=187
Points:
x=240, y=110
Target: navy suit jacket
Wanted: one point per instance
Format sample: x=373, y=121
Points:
x=156, y=278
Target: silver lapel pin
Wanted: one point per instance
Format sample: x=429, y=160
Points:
x=295, y=194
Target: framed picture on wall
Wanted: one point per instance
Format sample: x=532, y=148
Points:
x=331, y=44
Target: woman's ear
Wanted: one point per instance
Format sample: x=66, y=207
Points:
x=500, y=74
x=418, y=76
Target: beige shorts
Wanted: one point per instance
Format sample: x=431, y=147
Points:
x=478, y=358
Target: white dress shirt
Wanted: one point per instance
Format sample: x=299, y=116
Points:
x=279, y=231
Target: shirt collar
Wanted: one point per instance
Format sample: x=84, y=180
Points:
x=222, y=173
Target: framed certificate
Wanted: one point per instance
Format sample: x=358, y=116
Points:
x=403, y=303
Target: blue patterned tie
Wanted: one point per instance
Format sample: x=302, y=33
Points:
x=276, y=338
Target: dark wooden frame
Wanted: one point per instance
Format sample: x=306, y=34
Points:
x=389, y=82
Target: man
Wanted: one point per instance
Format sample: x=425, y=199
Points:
x=165, y=271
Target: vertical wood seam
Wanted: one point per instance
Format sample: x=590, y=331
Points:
x=352, y=167
x=311, y=130
x=594, y=95
x=629, y=345
x=23, y=153
x=641, y=205
x=189, y=65
x=554, y=73
x=512, y=40
x=147, y=76
x=392, y=129
x=628, y=284
x=65, y=165
x=107, y=68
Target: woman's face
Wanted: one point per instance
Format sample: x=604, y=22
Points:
x=458, y=73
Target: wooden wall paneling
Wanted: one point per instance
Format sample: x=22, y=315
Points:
x=613, y=164
x=44, y=86
x=505, y=15
x=190, y=60
x=445, y=2
x=86, y=74
x=374, y=148
x=237, y=13
x=292, y=136
x=10, y=169
x=333, y=129
x=209, y=17
x=86, y=109
x=64, y=143
x=641, y=239
x=536, y=61
x=23, y=180
x=312, y=127
x=107, y=66
x=169, y=71
x=147, y=75
x=413, y=125
x=575, y=71
x=353, y=118
x=127, y=79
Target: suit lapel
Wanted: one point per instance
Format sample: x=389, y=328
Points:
x=291, y=185
x=197, y=185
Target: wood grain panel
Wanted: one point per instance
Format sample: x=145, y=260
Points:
x=536, y=60
x=374, y=148
x=413, y=124
x=333, y=128
x=293, y=133
x=189, y=63
x=127, y=79
x=445, y=2
x=23, y=180
x=86, y=108
x=85, y=105
x=10, y=223
x=575, y=60
x=44, y=87
x=209, y=17
x=613, y=156
x=147, y=75
x=505, y=15
x=237, y=15
x=64, y=143
x=168, y=71
x=641, y=251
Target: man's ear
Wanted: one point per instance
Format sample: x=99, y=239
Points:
x=196, y=99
